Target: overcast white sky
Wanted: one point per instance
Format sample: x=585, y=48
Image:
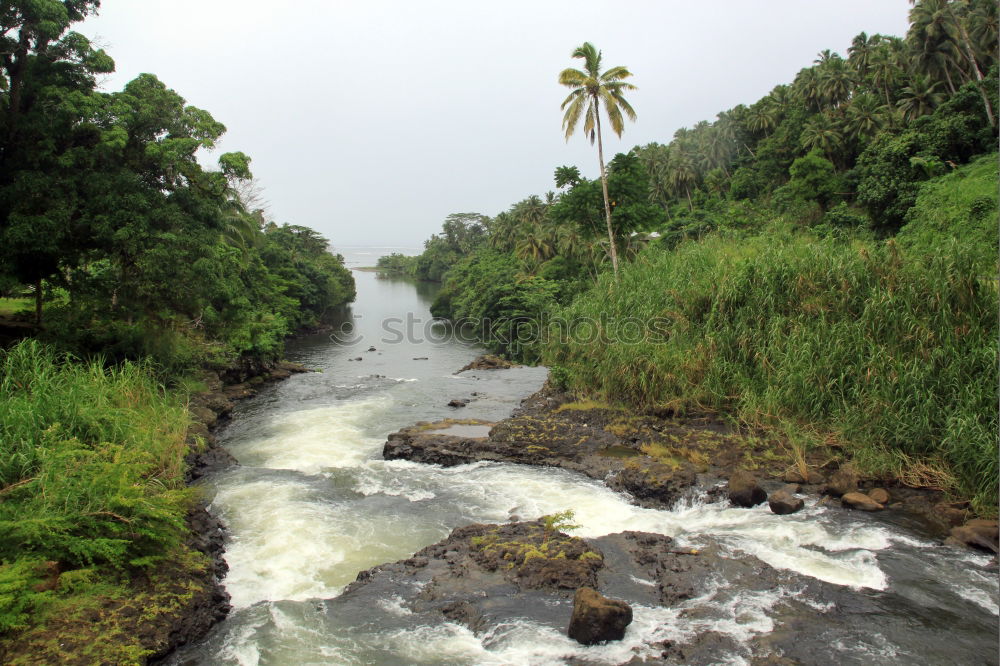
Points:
x=371, y=121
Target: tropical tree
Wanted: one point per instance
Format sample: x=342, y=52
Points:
x=936, y=21
x=859, y=54
x=865, y=116
x=920, y=97
x=821, y=133
x=591, y=89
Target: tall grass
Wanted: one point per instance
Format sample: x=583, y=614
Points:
x=893, y=353
x=90, y=465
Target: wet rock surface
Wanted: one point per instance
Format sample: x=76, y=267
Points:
x=977, y=533
x=744, y=490
x=654, y=460
x=488, y=362
x=861, y=502
x=479, y=577
x=783, y=502
x=596, y=618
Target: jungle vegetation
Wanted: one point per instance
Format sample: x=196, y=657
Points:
x=130, y=267
x=820, y=263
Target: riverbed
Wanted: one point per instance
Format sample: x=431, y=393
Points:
x=312, y=503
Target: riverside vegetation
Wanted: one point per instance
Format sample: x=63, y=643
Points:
x=819, y=265
x=132, y=268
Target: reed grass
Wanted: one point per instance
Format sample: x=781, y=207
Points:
x=91, y=469
x=892, y=352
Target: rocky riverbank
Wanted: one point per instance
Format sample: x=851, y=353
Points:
x=656, y=458
x=488, y=577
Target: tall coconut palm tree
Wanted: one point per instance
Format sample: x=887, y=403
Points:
x=591, y=89
x=865, y=116
x=920, y=97
x=822, y=132
x=836, y=81
x=860, y=52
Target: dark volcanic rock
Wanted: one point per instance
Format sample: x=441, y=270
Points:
x=555, y=439
x=488, y=362
x=478, y=577
x=653, y=484
x=212, y=458
x=782, y=503
x=458, y=402
x=596, y=618
x=744, y=491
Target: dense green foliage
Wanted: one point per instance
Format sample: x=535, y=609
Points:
x=461, y=234
x=91, y=470
x=105, y=209
x=892, y=350
x=819, y=262
x=145, y=264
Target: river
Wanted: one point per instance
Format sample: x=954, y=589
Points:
x=312, y=503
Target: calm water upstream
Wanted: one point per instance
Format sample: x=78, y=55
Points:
x=312, y=504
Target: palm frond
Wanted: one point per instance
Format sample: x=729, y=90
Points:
x=572, y=116
x=573, y=77
x=615, y=74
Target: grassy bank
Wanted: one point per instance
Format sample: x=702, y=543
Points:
x=92, y=507
x=889, y=351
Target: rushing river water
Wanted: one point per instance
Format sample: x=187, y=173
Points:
x=312, y=503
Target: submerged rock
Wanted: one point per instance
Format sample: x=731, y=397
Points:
x=596, y=618
x=744, y=491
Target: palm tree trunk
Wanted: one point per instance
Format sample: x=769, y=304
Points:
x=604, y=186
x=947, y=76
x=971, y=56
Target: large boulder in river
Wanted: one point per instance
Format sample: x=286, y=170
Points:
x=861, y=502
x=744, y=491
x=783, y=502
x=843, y=481
x=880, y=495
x=488, y=362
x=978, y=533
x=596, y=618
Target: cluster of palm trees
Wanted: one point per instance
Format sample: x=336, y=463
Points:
x=838, y=103
x=528, y=231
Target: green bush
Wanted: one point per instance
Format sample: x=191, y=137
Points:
x=960, y=207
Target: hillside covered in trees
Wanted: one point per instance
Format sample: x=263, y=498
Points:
x=820, y=263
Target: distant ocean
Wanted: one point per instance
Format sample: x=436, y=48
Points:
x=358, y=256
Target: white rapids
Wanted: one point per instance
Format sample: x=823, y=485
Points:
x=312, y=504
